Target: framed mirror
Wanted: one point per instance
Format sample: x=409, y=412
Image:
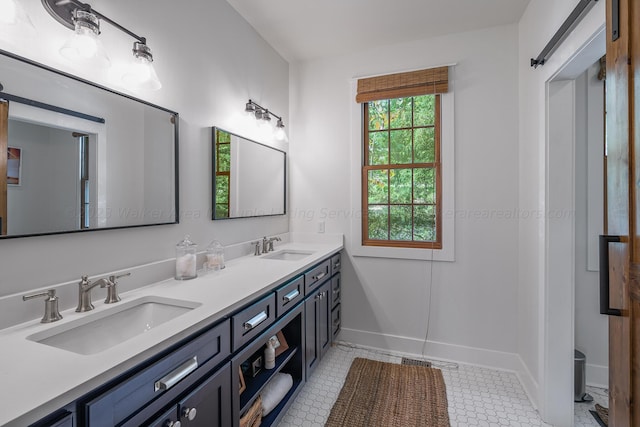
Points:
x=75, y=156
x=248, y=179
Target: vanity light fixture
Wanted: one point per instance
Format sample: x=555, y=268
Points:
x=84, y=45
x=263, y=115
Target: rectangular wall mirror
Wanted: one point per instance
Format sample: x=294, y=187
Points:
x=75, y=156
x=249, y=178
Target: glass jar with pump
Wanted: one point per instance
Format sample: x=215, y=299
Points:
x=186, y=259
x=215, y=257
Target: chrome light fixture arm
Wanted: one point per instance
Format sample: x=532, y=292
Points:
x=62, y=11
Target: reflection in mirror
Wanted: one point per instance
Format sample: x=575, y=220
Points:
x=249, y=178
x=80, y=157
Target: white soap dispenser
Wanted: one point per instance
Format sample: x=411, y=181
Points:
x=269, y=356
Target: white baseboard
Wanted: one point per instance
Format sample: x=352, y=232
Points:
x=436, y=350
x=448, y=352
x=597, y=375
x=529, y=383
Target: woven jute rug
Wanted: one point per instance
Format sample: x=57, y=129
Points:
x=387, y=395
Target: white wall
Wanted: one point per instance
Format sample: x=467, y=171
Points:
x=474, y=299
x=538, y=24
x=591, y=328
x=210, y=62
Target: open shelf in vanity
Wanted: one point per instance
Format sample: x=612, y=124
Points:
x=290, y=361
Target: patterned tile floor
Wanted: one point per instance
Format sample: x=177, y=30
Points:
x=477, y=396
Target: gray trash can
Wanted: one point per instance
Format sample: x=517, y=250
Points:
x=579, y=366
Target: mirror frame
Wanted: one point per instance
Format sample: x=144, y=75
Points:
x=176, y=119
x=213, y=176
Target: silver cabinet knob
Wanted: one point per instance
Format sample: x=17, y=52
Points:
x=189, y=413
x=173, y=424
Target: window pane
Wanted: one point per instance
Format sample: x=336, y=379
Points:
x=400, y=185
x=378, y=222
x=379, y=115
x=425, y=223
x=400, y=146
x=222, y=189
x=223, y=137
x=424, y=110
x=400, y=110
x=379, y=148
x=400, y=223
x=424, y=185
x=224, y=156
x=222, y=211
x=424, y=140
x=378, y=186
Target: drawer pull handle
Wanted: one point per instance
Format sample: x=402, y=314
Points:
x=336, y=265
x=291, y=295
x=173, y=377
x=255, y=321
x=190, y=413
x=319, y=276
x=335, y=291
x=336, y=322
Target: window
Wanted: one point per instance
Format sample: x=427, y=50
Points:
x=223, y=173
x=401, y=173
x=402, y=166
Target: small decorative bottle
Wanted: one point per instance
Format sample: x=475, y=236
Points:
x=186, y=259
x=215, y=257
x=269, y=356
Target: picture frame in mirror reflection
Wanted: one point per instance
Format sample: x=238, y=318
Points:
x=14, y=166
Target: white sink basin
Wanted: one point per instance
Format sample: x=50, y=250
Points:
x=97, y=332
x=288, y=255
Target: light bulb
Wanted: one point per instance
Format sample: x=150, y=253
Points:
x=280, y=134
x=141, y=73
x=84, y=45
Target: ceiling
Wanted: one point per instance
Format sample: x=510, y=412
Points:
x=305, y=29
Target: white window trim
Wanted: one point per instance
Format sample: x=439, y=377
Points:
x=447, y=253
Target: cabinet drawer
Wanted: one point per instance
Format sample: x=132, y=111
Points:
x=336, y=263
x=134, y=393
x=168, y=419
x=252, y=320
x=289, y=295
x=335, y=289
x=335, y=321
x=314, y=277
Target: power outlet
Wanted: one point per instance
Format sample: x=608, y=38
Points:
x=320, y=226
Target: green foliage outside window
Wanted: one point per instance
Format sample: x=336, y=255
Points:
x=402, y=170
x=223, y=169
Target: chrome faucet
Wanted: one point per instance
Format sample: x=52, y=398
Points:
x=84, y=291
x=112, y=289
x=51, y=312
x=270, y=242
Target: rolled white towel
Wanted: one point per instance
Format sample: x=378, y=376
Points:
x=274, y=391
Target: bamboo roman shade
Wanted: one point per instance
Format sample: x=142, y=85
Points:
x=400, y=85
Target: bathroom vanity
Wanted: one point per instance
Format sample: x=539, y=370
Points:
x=201, y=365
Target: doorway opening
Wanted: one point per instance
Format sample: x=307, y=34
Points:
x=575, y=192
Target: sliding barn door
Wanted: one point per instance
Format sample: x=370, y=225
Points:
x=623, y=210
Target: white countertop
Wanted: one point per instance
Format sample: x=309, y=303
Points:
x=38, y=379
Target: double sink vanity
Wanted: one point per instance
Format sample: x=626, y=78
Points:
x=178, y=353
